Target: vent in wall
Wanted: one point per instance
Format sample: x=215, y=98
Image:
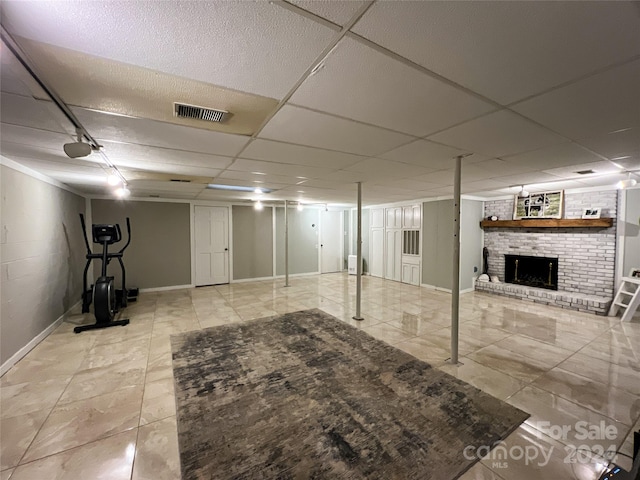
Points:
x=183, y=110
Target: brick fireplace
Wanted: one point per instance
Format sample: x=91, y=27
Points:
x=585, y=256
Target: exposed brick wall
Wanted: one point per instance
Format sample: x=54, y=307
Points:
x=586, y=256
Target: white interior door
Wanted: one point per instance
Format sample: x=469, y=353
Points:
x=331, y=242
x=212, y=245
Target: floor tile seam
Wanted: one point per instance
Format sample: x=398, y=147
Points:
x=578, y=404
x=53, y=407
x=626, y=369
x=591, y=379
x=500, y=371
x=146, y=370
x=135, y=455
x=75, y=447
x=158, y=420
x=595, y=339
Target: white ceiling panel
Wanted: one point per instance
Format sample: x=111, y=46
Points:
x=386, y=168
x=161, y=186
x=116, y=128
x=498, y=134
x=273, y=168
x=251, y=178
x=253, y=46
x=426, y=154
x=271, y=151
x=143, y=193
x=34, y=137
x=526, y=178
x=336, y=11
x=507, y=50
x=441, y=177
x=480, y=185
x=594, y=106
x=141, y=156
x=555, y=156
x=489, y=168
x=305, y=127
x=604, y=180
x=363, y=84
x=615, y=144
x=28, y=112
x=599, y=168
x=410, y=185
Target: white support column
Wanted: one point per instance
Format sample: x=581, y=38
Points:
x=455, y=288
x=359, y=256
x=286, y=244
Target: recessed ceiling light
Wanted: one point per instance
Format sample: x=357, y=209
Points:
x=258, y=173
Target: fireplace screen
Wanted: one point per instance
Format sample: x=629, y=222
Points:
x=539, y=272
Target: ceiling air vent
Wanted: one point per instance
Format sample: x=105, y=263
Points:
x=183, y=110
x=585, y=172
x=179, y=180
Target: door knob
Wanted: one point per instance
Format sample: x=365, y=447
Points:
x=226, y=249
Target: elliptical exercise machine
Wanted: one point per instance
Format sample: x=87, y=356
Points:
x=107, y=300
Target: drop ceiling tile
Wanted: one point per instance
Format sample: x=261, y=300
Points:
x=361, y=83
x=27, y=112
x=153, y=133
x=498, y=134
x=470, y=188
x=262, y=184
x=142, y=156
x=551, y=186
x=271, y=151
x=570, y=172
x=318, y=183
x=597, y=105
x=425, y=153
x=255, y=47
x=161, y=186
x=561, y=155
x=305, y=127
x=388, y=168
x=258, y=179
x=441, y=177
x=492, y=167
x=283, y=169
x=144, y=193
x=615, y=144
x=410, y=185
x=532, y=46
x=526, y=178
x=336, y=11
x=604, y=180
x=169, y=168
x=33, y=137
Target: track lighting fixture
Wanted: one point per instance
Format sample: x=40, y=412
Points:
x=77, y=149
x=523, y=192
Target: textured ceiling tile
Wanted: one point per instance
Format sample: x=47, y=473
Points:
x=304, y=127
x=507, y=50
x=105, y=85
x=597, y=105
x=336, y=11
x=363, y=84
x=286, y=153
x=252, y=46
x=498, y=134
x=151, y=132
x=424, y=153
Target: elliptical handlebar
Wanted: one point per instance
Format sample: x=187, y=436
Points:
x=128, y=236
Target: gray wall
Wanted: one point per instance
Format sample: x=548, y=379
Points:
x=160, y=251
x=252, y=242
x=631, y=231
x=42, y=254
x=303, y=240
x=437, y=245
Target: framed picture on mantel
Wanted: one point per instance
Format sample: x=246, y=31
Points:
x=539, y=205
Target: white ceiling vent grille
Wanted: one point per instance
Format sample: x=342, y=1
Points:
x=183, y=110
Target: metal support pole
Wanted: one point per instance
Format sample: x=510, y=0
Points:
x=286, y=244
x=455, y=288
x=359, y=256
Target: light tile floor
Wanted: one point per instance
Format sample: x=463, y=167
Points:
x=100, y=404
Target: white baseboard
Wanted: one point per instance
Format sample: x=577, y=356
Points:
x=447, y=290
x=164, y=289
x=256, y=279
x=275, y=277
x=16, y=357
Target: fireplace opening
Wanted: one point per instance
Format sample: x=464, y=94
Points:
x=539, y=272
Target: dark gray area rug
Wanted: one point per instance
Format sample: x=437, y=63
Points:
x=306, y=396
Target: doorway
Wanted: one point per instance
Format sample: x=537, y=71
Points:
x=211, y=225
x=331, y=242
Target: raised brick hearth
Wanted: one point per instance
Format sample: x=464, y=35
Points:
x=586, y=256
